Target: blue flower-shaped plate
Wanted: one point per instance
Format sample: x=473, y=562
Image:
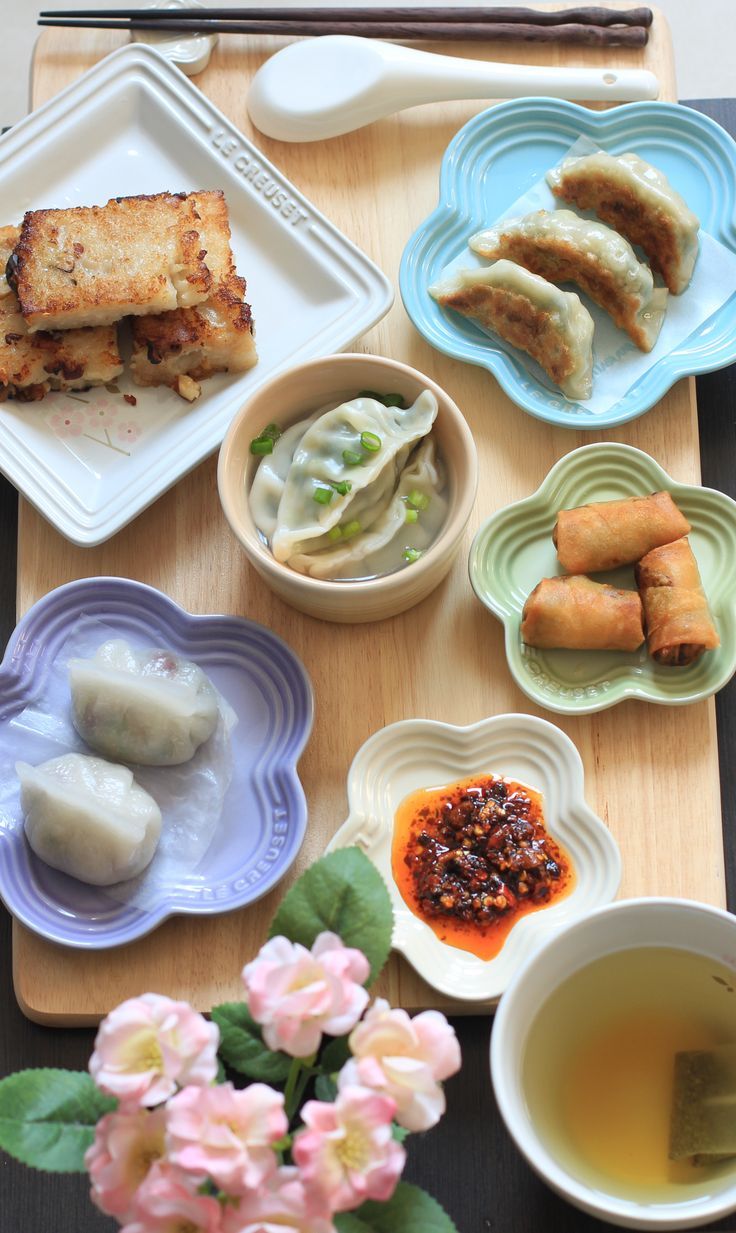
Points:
x=496, y=158
x=264, y=813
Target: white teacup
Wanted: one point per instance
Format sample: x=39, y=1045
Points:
x=674, y=924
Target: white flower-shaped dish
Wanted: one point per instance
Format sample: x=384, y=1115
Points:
x=423, y=753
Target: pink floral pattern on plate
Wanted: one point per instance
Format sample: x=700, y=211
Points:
x=128, y=431
x=67, y=423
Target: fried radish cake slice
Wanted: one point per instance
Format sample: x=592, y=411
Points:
x=92, y=265
x=562, y=247
x=551, y=325
x=216, y=336
x=639, y=201
x=33, y=364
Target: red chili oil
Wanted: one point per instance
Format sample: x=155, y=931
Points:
x=470, y=858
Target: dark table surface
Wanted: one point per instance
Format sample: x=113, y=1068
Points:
x=468, y=1162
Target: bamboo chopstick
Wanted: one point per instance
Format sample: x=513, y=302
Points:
x=589, y=16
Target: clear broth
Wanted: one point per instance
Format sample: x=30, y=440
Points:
x=598, y=1069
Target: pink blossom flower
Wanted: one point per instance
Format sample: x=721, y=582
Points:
x=67, y=423
x=281, y=1206
x=126, y=1146
x=166, y=1204
x=102, y=412
x=149, y=1045
x=128, y=431
x=347, y=1152
x=404, y=1058
x=226, y=1134
x=296, y=995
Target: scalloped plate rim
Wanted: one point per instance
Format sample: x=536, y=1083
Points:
x=145, y=921
x=428, y=318
x=572, y=808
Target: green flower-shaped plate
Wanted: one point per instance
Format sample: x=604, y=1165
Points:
x=513, y=550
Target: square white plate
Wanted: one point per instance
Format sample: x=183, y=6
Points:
x=134, y=124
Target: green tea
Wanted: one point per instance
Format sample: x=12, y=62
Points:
x=599, y=1069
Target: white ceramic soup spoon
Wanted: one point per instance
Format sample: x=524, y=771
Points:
x=326, y=86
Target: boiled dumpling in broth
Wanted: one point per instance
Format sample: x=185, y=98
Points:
x=345, y=468
x=88, y=818
x=148, y=706
x=267, y=488
x=380, y=549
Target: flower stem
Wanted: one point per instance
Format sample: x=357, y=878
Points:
x=290, y=1103
x=297, y=1079
x=301, y=1085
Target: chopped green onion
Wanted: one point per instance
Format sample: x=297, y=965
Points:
x=343, y=487
x=411, y=515
x=322, y=496
x=370, y=441
x=351, y=528
x=411, y=555
x=264, y=443
x=418, y=499
x=334, y=533
x=388, y=400
x=351, y=459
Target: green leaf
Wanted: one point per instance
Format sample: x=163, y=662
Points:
x=47, y=1117
x=325, y=1088
x=344, y=894
x=409, y=1210
x=348, y=1222
x=242, y=1046
x=399, y=1133
x=335, y=1055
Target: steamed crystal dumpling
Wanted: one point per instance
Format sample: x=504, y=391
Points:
x=88, y=818
x=562, y=247
x=531, y=313
x=149, y=706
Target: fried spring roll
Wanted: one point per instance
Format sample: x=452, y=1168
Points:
x=679, y=623
x=577, y=614
x=608, y=534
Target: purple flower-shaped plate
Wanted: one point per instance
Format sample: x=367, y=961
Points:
x=264, y=812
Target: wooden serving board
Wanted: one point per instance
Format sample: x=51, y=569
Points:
x=651, y=771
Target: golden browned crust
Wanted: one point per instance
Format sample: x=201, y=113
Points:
x=33, y=364
x=560, y=262
x=92, y=265
x=678, y=620
x=216, y=336
x=617, y=205
x=519, y=322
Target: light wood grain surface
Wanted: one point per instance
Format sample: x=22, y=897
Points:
x=651, y=772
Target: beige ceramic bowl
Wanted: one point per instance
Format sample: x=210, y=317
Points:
x=294, y=395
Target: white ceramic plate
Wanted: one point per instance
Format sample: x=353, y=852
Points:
x=134, y=124
x=422, y=753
